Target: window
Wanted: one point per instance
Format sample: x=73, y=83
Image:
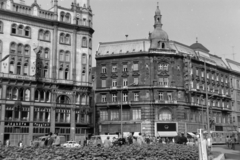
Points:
x=26, y=50
x=136, y=114
x=169, y=97
x=135, y=66
x=46, y=53
x=197, y=72
x=114, y=97
x=84, y=42
x=136, y=96
x=103, y=83
x=67, y=39
x=165, y=81
x=238, y=84
x=125, y=97
x=14, y=29
x=103, y=115
x=125, y=68
x=191, y=71
x=208, y=75
x=40, y=34
x=19, y=68
x=135, y=80
x=84, y=59
x=125, y=82
x=104, y=69
x=62, y=35
x=114, y=83
x=161, y=81
x=68, y=18
x=27, y=32
x=197, y=85
x=67, y=56
x=61, y=71
x=20, y=49
x=63, y=99
x=1, y=26
x=212, y=76
x=62, y=16
x=20, y=30
x=160, y=67
x=126, y=115
x=114, y=68
x=202, y=74
x=103, y=98
x=165, y=67
x=114, y=115
x=47, y=36
x=160, y=96
x=90, y=43
x=165, y=115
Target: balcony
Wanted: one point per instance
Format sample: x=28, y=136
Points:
x=41, y=120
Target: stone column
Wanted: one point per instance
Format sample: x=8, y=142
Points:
x=31, y=124
x=3, y=110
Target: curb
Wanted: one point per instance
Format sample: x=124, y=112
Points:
x=220, y=157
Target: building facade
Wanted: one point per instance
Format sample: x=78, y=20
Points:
x=158, y=86
x=235, y=92
x=45, y=70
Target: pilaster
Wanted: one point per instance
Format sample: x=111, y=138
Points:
x=31, y=124
x=74, y=69
x=55, y=52
x=3, y=106
x=73, y=123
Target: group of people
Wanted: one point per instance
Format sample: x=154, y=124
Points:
x=231, y=140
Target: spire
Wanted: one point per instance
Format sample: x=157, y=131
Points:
x=158, y=18
x=196, y=39
x=157, y=12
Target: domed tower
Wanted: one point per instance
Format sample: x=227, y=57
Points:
x=158, y=37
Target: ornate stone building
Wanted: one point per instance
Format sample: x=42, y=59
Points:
x=160, y=86
x=45, y=70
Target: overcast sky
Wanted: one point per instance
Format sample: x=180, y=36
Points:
x=216, y=23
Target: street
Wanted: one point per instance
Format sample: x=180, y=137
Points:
x=229, y=153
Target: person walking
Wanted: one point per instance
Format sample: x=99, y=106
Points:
x=228, y=141
x=140, y=140
x=233, y=142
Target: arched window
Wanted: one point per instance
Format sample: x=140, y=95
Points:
x=165, y=115
x=40, y=34
x=37, y=95
x=90, y=43
x=15, y=94
x=12, y=64
x=20, y=49
x=163, y=45
x=42, y=95
x=83, y=99
x=48, y=96
x=63, y=99
x=84, y=42
x=62, y=38
x=19, y=68
x=20, y=30
x=62, y=16
x=27, y=95
x=14, y=29
x=68, y=18
x=67, y=56
x=84, y=59
x=9, y=93
x=21, y=94
x=47, y=36
x=68, y=39
x=61, y=55
x=77, y=98
x=13, y=47
x=27, y=31
x=1, y=26
x=45, y=71
x=46, y=53
x=61, y=71
x=27, y=50
x=2, y=5
x=25, y=69
x=66, y=76
x=159, y=44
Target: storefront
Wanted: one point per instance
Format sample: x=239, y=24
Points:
x=166, y=129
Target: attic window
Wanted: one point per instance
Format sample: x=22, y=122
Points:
x=133, y=50
x=107, y=51
x=163, y=45
x=127, y=52
x=120, y=50
x=140, y=50
x=112, y=52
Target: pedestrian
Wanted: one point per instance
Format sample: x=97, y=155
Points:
x=228, y=141
x=233, y=142
x=99, y=142
x=183, y=139
x=57, y=141
x=50, y=139
x=107, y=143
x=140, y=139
x=178, y=139
x=7, y=142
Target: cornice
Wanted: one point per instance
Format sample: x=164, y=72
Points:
x=32, y=20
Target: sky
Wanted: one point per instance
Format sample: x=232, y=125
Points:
x=216, y=23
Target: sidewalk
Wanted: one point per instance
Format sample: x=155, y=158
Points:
x=229, y=153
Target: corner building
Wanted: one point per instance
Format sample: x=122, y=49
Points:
x=161, y=86
x=45, y=70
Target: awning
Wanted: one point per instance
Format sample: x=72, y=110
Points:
x=191, y=134
x=167, y=134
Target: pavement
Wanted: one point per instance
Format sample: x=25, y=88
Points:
x=229, y=153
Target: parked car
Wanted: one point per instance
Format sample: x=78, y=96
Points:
x=71, y=144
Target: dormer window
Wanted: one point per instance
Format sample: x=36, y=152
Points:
x=163, y=45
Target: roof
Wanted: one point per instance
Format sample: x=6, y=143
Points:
x=199, y=46
x=233, y=65
x=123, y=47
